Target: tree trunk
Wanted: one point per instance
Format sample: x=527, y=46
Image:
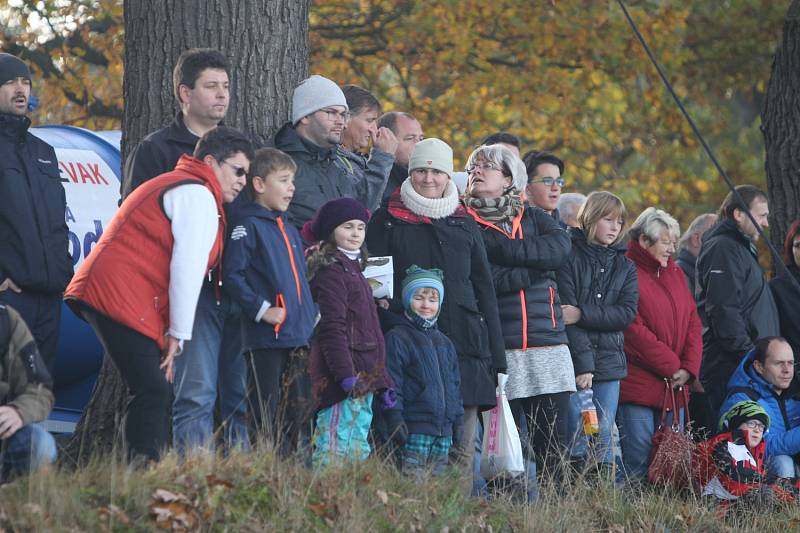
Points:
x=266, y=42
x=780, y=119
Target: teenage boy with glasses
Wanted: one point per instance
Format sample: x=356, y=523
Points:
x=544, y=181
x=312, y=139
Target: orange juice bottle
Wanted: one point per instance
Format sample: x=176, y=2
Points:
x=588, y=412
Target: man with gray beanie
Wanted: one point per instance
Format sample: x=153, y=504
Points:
x=312, y=139
x=35, y=264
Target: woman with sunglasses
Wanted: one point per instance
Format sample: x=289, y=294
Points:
x=525, y=247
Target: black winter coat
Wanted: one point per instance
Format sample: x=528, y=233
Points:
x=523, y=267
x=688, y=264
x=733, y=300
x=424, y=368
x=156, y=154
x=34, y=247
x=469, y=310
x=602, y=282
x=321, y=177
x=787, y=299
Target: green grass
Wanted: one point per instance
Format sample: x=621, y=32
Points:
x=258, y=492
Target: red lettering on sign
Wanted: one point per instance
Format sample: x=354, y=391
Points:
x=95, y=168
x=70, y=170
x=85, y=174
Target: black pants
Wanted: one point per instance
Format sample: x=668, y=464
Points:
x=280, y=396
x=147, y=420
x=546, y=416
x=42, y=314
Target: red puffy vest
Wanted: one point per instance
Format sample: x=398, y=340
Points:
x=126, y=276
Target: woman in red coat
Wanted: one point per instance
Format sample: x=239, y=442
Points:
x=663, y=342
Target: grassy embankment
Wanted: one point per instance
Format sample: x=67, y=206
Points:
x=259, y=493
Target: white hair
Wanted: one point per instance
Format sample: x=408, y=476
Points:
x=569, y=203
x=651, y=223
x=501, y=156
x=699, y=225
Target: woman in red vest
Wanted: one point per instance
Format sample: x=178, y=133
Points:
x=138, y=288
x=664, y=341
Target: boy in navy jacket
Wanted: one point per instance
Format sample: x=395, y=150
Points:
x=265, y=273
x=423, y=364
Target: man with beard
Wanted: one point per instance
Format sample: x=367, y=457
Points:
x=319, y=115
x=35, y=264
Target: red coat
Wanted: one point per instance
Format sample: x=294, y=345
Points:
x=126, y=277
x=666, y=334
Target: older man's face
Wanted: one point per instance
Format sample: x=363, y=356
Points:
x=778, y=367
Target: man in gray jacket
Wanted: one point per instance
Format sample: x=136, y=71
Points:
x=319, y=115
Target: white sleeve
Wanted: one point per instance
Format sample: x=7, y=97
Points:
x=195, y=220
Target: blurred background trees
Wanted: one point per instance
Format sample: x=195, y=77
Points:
x=564, y=75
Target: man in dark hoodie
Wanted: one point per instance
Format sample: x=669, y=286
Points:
x=734, y=300
x=319, y=115
x=35, y=264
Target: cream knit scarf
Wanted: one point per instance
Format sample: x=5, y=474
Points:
x=433, y=208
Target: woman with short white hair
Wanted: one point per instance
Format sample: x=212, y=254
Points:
x=525, y=247
x=664, y=342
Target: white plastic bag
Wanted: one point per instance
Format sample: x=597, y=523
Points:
x=501, y=452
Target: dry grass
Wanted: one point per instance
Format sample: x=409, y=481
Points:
x=258, y=492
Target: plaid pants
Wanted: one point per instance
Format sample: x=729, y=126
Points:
x=423, y=452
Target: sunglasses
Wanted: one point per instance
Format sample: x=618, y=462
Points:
x=239, y=171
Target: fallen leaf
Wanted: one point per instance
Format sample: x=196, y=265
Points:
x=112, y=511
x=174, y=511
x=382, y=496
x=319, y=509
x=214, y=481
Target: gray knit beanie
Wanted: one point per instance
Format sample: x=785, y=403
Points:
x=432, y=153
x=314, y=93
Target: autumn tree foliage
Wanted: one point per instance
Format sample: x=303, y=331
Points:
x=564, y=75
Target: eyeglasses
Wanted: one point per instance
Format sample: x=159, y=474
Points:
x=549, y=181
x=333, y=114
x=755, y=424
x=239, y=171
x=484, y=166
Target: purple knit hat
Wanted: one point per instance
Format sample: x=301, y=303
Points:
x=332, y=214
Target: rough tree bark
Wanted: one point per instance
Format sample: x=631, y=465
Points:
x=780, y=123
x=266, y=42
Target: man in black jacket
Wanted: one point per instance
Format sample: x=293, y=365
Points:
x=734, y=300
x=201, y=84
x=35, y=264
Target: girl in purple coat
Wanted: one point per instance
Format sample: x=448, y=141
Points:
x=348, y=358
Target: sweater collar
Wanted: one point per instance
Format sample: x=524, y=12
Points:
x=433, y=208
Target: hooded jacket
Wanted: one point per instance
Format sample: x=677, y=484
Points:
x=666, y=334
x=523, y=263
x=377, y=167
x=783, y=436
x=424, y=368
x=349, y=341
x=321, y=177
x=734, y=300
x=33, y=230
x=25, y=383
x=263, y=264
x=602, y=282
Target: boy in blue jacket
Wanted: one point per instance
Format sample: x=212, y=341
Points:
x=423, y=364
x=265, y=273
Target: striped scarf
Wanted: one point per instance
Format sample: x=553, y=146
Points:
x=502, y=209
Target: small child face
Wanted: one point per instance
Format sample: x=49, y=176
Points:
x=425, y=302
x=350, y=235
x=275, y=190
x=754, y=430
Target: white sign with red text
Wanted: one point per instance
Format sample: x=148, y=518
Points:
x=92, y=192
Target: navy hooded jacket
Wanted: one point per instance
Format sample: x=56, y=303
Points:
x=424, y=367
x=264, y=263
x=783, y=436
